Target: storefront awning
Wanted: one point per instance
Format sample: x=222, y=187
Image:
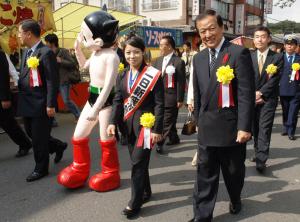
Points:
x=68, y=19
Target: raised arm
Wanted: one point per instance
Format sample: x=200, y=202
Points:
x=82, y=61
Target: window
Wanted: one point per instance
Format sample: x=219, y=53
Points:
x=159, y=4
x=255, y=3
x=221, y=8
x=253, y=20
x=120, y=5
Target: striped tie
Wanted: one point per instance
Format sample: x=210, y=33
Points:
x=212, y=59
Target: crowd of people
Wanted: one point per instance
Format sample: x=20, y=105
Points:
x=232, y=93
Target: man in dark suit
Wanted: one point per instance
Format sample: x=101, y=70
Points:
x=38, y=90
x=267, y=90
x=7, y=119
x=173, y=73
x=224, y=120
x=290, y=88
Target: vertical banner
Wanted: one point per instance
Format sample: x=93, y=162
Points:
x=239, y=19
x=268, y=6
x=195, y=9
x=12, y=12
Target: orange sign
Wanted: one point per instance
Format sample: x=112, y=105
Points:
x=12, y=12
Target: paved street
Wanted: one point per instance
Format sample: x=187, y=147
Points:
x=274, y=197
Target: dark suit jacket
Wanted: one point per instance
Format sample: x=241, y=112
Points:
x=218, y=126
x=176, y=94
x=287, y=87
x=33, y=101
x=268, y=87
x=5, y=94
x=153, y=103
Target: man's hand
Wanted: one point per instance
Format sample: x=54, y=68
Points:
x=243, y=136
x=111, y=129
x=179, y=105
x=156, y=137
x=258, y=98
x=6, y=104
x=50, y=111
x=259, y=101
x=258, y=95
x=58, y=59
x=191, y=108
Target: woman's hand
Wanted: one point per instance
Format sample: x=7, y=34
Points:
x=156, y=137
x=111, y=129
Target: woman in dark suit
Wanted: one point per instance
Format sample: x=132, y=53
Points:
x=134, y=100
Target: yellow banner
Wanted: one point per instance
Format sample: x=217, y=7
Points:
x=12, y=12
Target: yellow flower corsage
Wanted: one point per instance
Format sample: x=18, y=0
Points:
x=147, y=120
x=33, y=62
x=271, y=69
x=296, y=66
x=121, y=68
x=225, y=74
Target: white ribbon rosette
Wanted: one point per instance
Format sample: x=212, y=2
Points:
x=170, y=70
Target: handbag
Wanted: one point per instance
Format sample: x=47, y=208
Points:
x=189, y=127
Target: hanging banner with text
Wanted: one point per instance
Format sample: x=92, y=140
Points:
x=12, y=12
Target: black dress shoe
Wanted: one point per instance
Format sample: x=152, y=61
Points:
x=173, y=142
x=284, y=134
x=292, y=137
x=60, y=152
x=146, y=197
x=235, y=208
x=252, y=159
x=22, y=152
x=260, y=166
x=35, y=176
x=159, y=149
x=130, y=213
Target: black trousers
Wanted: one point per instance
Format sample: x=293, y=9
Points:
x=290, y=109
x=39, y=129
x=210, y=160
x=140, y=181
x=170, y=120
x=13, y=129
x=262, y=128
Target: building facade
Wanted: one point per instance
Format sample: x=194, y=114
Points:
x=240, y=16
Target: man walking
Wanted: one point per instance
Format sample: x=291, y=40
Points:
x=65, y=66
x=38, y=87
x=173, y=74
x=7, y=119
x=267, y=91
x=290, y=87
x=224, y=105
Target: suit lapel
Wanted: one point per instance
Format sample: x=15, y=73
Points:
x=213, y=83
x=267, y=62
x=24, y=63
x=255, y=65
x=171, y=61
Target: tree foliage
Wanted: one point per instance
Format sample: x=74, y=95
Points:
x=284, y=27
x=284, y=3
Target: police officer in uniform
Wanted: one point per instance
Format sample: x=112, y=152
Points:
x=290, y=88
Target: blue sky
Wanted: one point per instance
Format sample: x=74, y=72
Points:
x=290, y=13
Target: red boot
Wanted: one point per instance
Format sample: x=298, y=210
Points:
x=109, y=179
x=78, y=172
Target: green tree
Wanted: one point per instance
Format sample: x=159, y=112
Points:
x=284, y=27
